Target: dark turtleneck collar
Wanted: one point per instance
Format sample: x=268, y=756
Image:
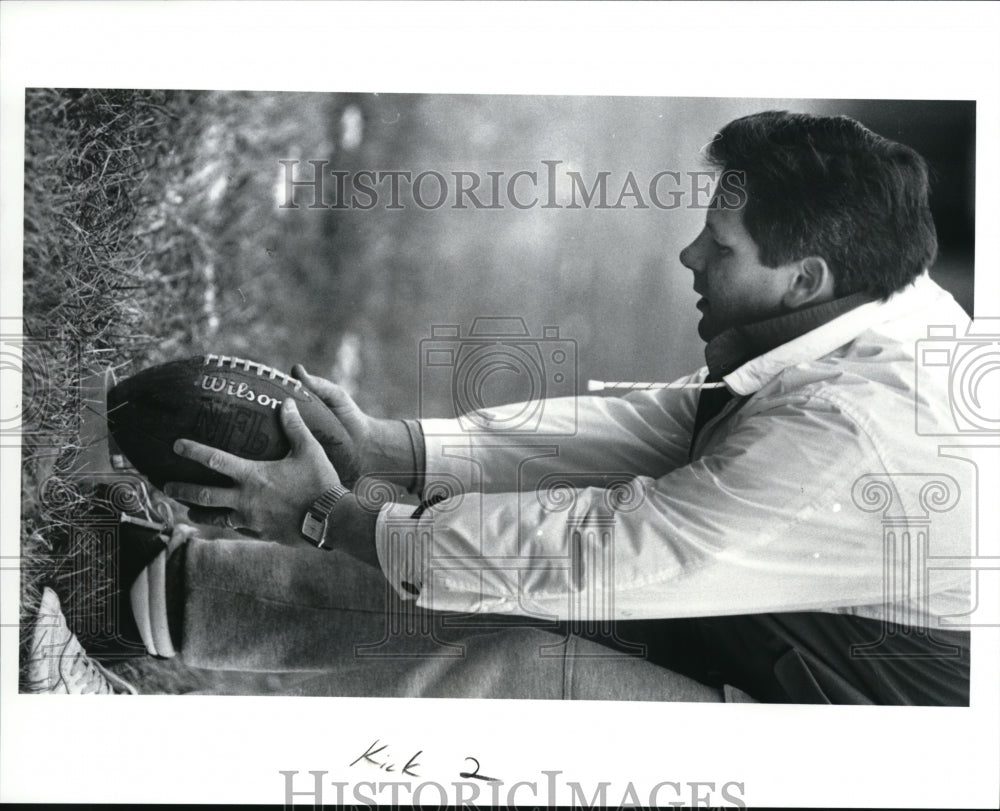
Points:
x=738, y=345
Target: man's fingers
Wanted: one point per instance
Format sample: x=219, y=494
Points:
x=330, y=393
x=202, y=495
x=212, y=458
x=214, y=517
x=298, y=434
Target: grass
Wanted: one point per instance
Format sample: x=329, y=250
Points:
x=149, y=234
x=90, y=289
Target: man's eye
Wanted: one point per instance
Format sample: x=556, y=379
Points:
x=723, y=249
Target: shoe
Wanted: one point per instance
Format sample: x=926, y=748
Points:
x=59, y=664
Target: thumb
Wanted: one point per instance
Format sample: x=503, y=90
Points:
x=330, y=393
x=299, y=436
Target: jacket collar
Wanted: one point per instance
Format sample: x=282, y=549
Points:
x=769, y=347
x=739, y=345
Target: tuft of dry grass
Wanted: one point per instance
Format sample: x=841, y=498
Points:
x=94, y=283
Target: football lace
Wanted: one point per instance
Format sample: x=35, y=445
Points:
x=259, y=368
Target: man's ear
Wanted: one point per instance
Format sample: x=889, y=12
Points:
x=811, y=283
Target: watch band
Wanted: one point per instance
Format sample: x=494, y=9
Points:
x=314, y=523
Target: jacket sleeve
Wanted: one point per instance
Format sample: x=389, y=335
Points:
x=763, y=522
x=587, y=441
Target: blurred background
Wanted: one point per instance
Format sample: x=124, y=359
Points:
x=155, y=229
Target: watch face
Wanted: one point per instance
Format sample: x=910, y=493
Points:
x=314, y=523
x=313, y=529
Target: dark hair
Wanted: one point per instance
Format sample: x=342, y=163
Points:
x=828, y=186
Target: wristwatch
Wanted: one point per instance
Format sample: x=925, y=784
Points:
x=314, y=524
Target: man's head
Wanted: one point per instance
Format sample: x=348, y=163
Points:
x=831, y=208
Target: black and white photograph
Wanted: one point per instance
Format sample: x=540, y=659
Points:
x=372, y=438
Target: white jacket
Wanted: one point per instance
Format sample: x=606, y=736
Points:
x=822, y=489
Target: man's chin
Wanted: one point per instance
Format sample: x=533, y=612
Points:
x=705, y=330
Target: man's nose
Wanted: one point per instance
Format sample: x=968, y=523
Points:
x=692, y=257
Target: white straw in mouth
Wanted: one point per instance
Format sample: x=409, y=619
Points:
x=631, y=385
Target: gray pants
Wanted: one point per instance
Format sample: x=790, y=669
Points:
x=336, y=628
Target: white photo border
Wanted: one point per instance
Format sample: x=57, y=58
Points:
x=232, y=749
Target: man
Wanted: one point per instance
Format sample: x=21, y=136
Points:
x=749, y=553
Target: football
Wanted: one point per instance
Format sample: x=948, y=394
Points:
x=226, y=402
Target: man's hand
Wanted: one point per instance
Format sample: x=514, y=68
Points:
x=382, y=446
x=270, y=498
x=359, y=426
